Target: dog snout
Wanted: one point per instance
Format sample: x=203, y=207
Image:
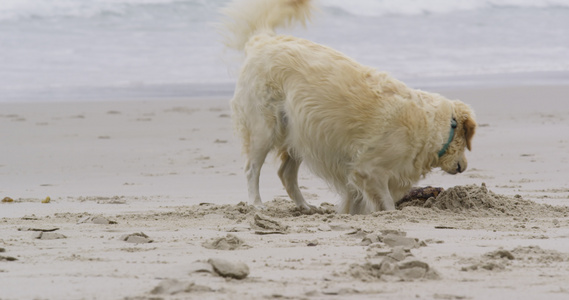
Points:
x=461, y=165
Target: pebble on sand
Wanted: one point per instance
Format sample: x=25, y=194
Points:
x=136, y=238
x=225, y=268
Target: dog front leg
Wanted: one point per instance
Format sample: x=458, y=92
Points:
x=375, y=192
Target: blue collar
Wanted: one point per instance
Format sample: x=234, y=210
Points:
x=450, y=137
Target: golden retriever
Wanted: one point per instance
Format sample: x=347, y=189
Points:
x=365, y=133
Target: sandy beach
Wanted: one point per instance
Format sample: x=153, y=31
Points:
x=147, y=198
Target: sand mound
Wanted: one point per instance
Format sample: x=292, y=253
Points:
x=421, y=204
x=522, y=256
x=277, y=208
x=229, y=242
x=390, y=258
x=478, y=200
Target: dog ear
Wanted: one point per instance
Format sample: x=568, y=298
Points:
x=469, y=126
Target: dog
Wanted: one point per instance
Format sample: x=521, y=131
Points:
x=367, y=134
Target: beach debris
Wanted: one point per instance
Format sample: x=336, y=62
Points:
x=229, y=242
x=95, y=220
x=265, y=225
x=42, y=235
x=7, y=200
x=38, y=229
x=444, y=227
x=7, y=258
x=136, y=238
x=433, y=241
x=312, y=243
x=46, y=200
x=225, y=268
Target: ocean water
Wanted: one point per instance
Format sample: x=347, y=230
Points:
x=52, y=50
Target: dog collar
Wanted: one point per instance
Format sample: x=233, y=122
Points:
x=450, y=137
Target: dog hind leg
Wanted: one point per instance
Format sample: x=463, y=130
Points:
x=260, y=143
x=288, y=173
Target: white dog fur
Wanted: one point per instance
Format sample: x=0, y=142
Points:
x=365, y=133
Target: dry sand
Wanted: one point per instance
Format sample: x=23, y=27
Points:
x=146, y=203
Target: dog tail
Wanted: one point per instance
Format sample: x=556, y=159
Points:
x=246, y=18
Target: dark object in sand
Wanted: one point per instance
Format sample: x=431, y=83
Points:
x=419, y=193
x=38, y=229
x=7, y=258
x=42, y=235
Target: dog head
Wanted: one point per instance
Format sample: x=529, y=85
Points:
x=453, y=160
